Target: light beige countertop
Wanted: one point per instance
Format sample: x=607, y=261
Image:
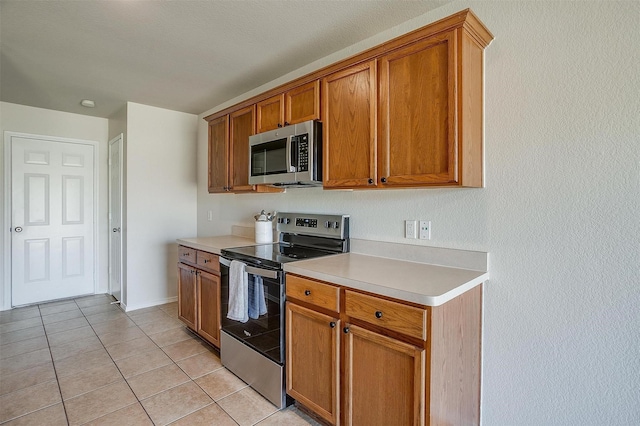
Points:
x=426, y=275
x=215, y=244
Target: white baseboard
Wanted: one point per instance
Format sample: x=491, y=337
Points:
x=129, y=308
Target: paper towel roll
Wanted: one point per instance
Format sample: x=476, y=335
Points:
x=264, y=232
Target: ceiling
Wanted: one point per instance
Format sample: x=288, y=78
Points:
x=183, y=55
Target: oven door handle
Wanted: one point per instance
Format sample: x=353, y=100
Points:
x=266, y=273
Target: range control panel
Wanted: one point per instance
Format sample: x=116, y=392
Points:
x=306, y=222
x=336, y=226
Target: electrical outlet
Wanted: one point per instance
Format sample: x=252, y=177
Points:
x=425, y=229
x=410, y=229
x=210, y=215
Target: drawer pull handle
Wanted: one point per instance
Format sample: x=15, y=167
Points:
x=307, y=292
x=187, y=254
x=345, y=330
x=378, y=314
x=332, y=324
x=207, y=260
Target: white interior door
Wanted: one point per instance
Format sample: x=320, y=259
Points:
x=53, y=230
x=115, y=218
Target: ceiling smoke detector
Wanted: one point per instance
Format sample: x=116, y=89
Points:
x=87, y=103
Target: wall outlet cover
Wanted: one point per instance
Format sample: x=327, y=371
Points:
x=425, y=230
x=410, y=229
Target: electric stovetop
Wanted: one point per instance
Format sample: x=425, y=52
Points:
x=273, y=255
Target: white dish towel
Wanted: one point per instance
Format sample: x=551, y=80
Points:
x=238, y=292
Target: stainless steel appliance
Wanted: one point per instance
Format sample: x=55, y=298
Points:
x=288, y=156
x=255, y=350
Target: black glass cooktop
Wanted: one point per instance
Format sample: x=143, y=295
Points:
x=273, y=255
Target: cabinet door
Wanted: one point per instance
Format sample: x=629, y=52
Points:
x=218, y=161
x=187, y=295
x=417, y=140
x=270, y=113
x=384, y=380
x=302, y=103
x=312, y=360
x=349, y=127
x=242, y=124
x=209, y=307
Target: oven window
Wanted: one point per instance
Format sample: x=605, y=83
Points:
x=265, y=333
x=269, y=158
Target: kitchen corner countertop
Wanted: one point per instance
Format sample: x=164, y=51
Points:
x=417, y=282
x=215, y=244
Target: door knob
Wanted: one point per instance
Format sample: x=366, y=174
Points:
x=18, y=229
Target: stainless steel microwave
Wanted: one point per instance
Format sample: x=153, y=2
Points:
x=287, y=156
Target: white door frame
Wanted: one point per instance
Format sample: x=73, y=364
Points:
x=8, y=135
x=120, y=137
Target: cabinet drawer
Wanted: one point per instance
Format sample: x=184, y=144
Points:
x=394, y=316
x=186, y=254
x=208, y=261
x=316, y=293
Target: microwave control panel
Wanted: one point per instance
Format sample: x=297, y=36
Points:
x=302, y=142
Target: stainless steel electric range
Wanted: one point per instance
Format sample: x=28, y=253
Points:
x=255, y=350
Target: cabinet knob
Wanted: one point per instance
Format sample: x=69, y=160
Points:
x=279, y=125
x=383, y=180
x=345, y=330
x=332, y=324
x=370, y=181
x=307, y=292
x=378, y=314
x=286, y=123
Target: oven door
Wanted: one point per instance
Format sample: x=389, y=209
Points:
x=264, y=334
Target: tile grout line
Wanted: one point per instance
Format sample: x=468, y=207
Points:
x=193, y=380
x=53, y=364
x=190, y=378
x=116, y=365
x=163, y=351
x=191, y=337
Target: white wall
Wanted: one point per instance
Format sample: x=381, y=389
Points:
x=38, y=121
x=160, y=200
x=559, y=214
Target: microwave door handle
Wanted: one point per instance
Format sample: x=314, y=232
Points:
x=290, y=166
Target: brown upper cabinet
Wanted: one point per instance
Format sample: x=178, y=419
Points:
x=430, y=112
x=349, y=127
x=219, y=154
x=294, y=106
x=407, y=113
x=242, y=124
x=229, y=151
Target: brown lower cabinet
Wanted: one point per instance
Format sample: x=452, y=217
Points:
x=355, y=358
x=199, y=293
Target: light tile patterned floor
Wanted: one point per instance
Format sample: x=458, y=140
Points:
x=85, y=361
